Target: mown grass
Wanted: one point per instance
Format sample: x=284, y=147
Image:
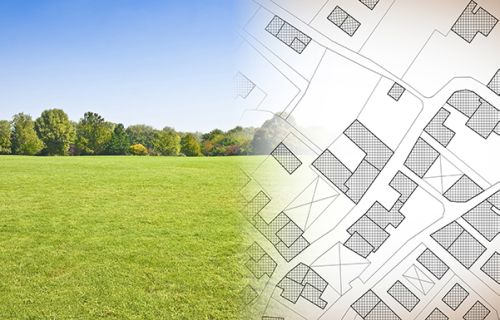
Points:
x=119, y=238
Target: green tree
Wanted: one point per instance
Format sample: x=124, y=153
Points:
x=211, y=142
x=190, y=146
x=167, y=142
x=5, y=136
x=238, y=141
x=271, y=133
x=93, y=134
x=24, y=138
x=138, y=150
x=120, y=142
x=141, y=134
x=56, y=131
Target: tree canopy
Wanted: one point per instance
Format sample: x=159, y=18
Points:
x=93, y=134
x=5, y=137
x=141, y=134
x=190, y=146
x=56, y=131
x=167, y=142
x=24, y=138
x=53, y=133
x=120, y=141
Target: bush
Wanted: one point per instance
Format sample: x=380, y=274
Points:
x=167, y=143
x=138, y=150
x=190, y=146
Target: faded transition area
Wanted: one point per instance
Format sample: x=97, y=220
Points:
x=380, y=196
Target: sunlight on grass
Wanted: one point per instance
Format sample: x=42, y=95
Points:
x=120, y=238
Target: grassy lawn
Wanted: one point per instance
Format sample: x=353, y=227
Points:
x=119, y=238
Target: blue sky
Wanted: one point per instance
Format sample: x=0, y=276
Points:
x=159, y=62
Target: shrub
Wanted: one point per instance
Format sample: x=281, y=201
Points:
x=190, y=146
x=167, y=143
x=138, y=150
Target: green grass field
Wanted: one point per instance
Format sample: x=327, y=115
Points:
x=119, y=238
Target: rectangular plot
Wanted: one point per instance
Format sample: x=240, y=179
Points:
x=344, y=21
x=433, y=264
x=421, y=158
x=466, y=249
x=404, y=296
x=455, y=297
x=288, y=34
x=333, y=169
x=286, y=158
x=364, y=305
x=484, y=120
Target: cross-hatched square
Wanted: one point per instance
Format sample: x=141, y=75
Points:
x=421, y=158
x=477, y=312
x=448, y=234
x=344, y=21
x=288, y=34
x=291, y=289
x=484, y=220
x=298, y=273
x=255, y=251
x=315, y=280
x=484, y=120
x=404, y=296
x=403, y=185
x=396, y=91
x=455, y=297
x=465, y=101
x=333, y=169
x=256, y=205
x=433, y=264
x=366, y=303
x=436, y=314
x=350, y=25
x=359, y=245
x=382, y=311
x=492, y=267
x=289, y=233
x=288, y=253
x=243, y=86
x=275, y=25
x=298, y=45
x=286, y=158
x=370, y=3
x=338, y=16
x=313, y=295
x=494, y=84
x=466, y=249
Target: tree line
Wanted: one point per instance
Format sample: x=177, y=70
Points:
x=54, y=134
